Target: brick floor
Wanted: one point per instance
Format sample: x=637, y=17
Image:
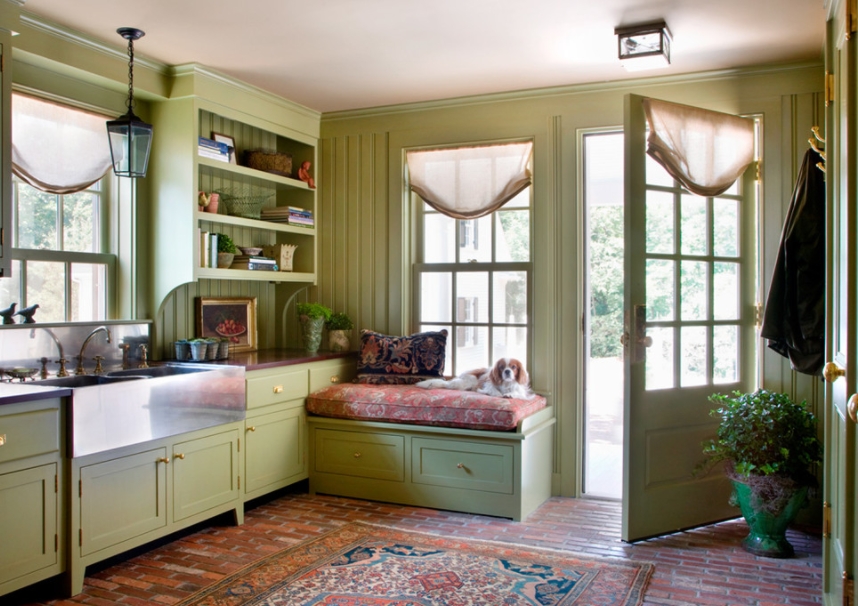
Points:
x=704, y=566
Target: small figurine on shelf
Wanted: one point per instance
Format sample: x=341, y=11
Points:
x=7, y=314
x=27, y=313
x=304, y=174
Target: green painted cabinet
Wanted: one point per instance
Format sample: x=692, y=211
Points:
x=130, y=496
x=276, y=450
x=30, y=485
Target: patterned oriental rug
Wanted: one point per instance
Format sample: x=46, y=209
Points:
x=367, y=565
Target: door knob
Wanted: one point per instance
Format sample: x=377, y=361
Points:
x=831, y=372
x=852, y=407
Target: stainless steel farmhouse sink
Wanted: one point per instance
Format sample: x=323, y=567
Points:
x=138, y=405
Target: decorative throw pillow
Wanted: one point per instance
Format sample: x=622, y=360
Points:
x=386, y=360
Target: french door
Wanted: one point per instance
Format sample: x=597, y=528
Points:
x=689, y=303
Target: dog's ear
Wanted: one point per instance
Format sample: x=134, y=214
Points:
x=520, y=372
x=496, y=375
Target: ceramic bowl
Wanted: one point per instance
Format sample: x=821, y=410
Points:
x=250, y=251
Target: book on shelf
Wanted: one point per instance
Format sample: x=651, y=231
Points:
x=255, y=264
x=204, y=248
x=212, y=250
x=205, y=153
x=213, y=146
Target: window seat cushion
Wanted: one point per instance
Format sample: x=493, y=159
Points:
x=418, y=406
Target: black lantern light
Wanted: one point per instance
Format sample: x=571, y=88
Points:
x=130, y=137
x=644, y=46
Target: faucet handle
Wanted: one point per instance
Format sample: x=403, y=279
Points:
x=79, y=369
x=143, y=361
x=98, y=369
x=125, y=347
x=43, y=373
x=62, y=372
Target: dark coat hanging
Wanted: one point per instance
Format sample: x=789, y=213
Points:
x=794, y=321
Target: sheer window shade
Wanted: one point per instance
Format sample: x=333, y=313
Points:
x=470, y=182
x=705, y=151
x=55, y=148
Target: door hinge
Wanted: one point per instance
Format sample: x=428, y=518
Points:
x=758, y=316
x=829, y=88
x=826, y=520
x=848, y=590
x=56, y=483
x=80, y=488
x=56, y=543
x=80, y=537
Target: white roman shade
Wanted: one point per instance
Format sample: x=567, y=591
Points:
x=470, y=182
x=705, y=151
x=57, y=149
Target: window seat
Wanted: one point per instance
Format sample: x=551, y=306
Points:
x=438, y=448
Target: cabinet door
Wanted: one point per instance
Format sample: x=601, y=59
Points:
x=205, y=473
x=28, y=521
x=122, y=498
x=275, y=449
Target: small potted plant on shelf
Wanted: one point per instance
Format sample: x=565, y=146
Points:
x=226, y=250
x=769, y=443
x=312, y=317
x=339, y=331
x=199, y=348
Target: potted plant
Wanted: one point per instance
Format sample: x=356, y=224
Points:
x=199, y=348
x=226, y=250
x=769, y=443
x=312, y=317
x=339, y=330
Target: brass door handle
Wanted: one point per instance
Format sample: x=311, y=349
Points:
x=832, y=371
x=251, y=428
x=852, y=407
x=179, y=456
x=164, y=460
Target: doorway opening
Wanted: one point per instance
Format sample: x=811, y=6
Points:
x=602, y=154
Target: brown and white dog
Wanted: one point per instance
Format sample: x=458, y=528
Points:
x=506, y=379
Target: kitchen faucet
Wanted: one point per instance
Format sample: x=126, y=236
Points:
x=62, y=372
x=80, y=369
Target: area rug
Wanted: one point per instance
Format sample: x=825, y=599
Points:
x=367, y=565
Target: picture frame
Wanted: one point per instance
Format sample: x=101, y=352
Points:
x=230, y=317
x=221, y=138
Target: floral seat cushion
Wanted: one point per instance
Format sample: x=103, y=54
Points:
x=418, y=406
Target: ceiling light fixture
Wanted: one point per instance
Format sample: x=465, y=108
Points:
x=130, y=137
x=644, y=46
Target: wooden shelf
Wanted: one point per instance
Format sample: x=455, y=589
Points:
x=243, y=171
x=259, y=276
x=255, y=224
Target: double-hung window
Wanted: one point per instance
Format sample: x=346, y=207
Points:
x=59, y=250
x=472, y=274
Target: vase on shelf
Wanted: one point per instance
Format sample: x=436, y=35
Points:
x=338, y=340
x=311, y=332
x=224, y=260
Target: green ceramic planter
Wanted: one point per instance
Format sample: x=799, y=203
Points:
x=311, y=333
x=767, y=535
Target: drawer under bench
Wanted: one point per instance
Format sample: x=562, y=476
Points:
x=498, y=473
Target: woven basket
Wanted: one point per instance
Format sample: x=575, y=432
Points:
x=241, y=203
x=270, y=162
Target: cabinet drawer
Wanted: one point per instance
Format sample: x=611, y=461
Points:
x=365, y=455
x=276, y=387
x=456, y=464
x=332, y=375
x=29, y=434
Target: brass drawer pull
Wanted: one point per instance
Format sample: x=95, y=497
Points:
x=335, y=379
x=2, y=439
x=179, y=456
x=251, y=428
x=460, y=466
x=357, y=455
x=278, y=389
x=164, y=460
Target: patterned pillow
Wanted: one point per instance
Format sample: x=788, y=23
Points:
x=386, y=360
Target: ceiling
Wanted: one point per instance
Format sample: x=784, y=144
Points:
x=334, y=55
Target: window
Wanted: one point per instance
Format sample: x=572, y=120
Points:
x=58, y=258
x=472, y=277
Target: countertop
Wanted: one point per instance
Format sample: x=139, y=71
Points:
x=31, y=391
x=272, y=358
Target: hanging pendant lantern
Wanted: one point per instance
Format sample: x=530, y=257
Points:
x=130, y=137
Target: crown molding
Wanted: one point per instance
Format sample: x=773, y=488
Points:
x=572, y=89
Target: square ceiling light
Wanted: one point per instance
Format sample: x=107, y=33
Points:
x=644, y=46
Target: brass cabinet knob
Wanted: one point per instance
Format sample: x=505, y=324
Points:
x=251, y=428
x=2, y=439
x=179, y=456
x=357, y=455
x=852, y=407
x=460, y=466
x=831, y=372
x=278, y=389
x=163, y=460
x=335, y=379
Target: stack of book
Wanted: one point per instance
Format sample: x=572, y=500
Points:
x=254, y=263
x=289, y=214
x=215, y=150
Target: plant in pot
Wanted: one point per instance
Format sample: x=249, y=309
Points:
x=226, y=250
x=312, y=317
x=339, y=330
x=769, y=443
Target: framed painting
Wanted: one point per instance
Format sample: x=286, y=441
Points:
x=231, y=317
